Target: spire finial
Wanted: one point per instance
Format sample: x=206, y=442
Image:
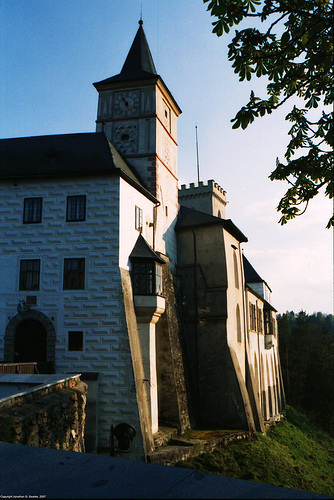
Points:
x=141, y=22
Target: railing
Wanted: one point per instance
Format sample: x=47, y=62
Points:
x=23, y=368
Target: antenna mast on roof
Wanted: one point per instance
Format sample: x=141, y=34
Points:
x=197, y=156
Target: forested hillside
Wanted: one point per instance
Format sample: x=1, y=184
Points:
x=306, y=344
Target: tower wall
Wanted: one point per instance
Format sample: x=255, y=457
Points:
x=209, y=198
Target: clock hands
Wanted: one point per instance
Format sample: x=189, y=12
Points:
x=127, y=103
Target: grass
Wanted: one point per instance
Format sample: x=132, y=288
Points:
x=294, y=454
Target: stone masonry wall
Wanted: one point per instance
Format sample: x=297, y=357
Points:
x=53, y=417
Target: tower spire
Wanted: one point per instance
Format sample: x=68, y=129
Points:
x=138, y=64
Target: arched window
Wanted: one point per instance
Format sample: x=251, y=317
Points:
x=235, y=266
x=238, y=323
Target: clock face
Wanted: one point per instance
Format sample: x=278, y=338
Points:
x=126, y=103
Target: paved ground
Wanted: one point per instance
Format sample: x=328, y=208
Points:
x=30, y=472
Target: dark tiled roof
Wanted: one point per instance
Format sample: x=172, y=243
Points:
x=251, y=276
x=142, y=250
x=65, y=155
x=188, y=217
x=139, y=63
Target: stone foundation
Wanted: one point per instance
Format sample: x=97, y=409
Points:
x=52, y=417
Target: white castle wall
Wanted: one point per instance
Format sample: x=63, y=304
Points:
x=265, y=363
x=130, y=198
x=98, y=309
x=234, y=297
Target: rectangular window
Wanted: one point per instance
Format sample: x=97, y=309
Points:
x=252, y=317
x=267, y=323
x=75, y=341
x=74, y=274
x=32, y=212
x=158, y=279
x=259, y=320
x=76, y=208
x=146, y=278
x=142, y=278
x=138, y=219
x=29, y=274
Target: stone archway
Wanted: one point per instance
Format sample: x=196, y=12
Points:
x=17, y=323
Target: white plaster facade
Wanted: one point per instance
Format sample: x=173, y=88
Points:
x=105, y=244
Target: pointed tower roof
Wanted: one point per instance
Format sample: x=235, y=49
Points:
x=138, y=67
x=139, y=63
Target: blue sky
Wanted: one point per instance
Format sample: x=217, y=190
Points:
x=51, y=52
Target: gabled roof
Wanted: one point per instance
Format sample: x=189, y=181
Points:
x=66, y=155
x=142, y=250
x=139, y=63
x=188, y=218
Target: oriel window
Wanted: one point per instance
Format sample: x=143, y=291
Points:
x=29, y=274
x=74, y=274
x=76, y=208
x=146, y=277
x=32, y=212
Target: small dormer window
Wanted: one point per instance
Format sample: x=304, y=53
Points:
x=52, y=156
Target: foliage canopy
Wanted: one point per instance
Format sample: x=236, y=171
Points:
x=294, y=51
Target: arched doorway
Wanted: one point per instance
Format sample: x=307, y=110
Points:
x=30, y=336
x=30, y=341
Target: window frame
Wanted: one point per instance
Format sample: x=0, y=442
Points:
x=38, y=200
x=76, y=218
x=259, y=320
x=77, y=274
x=138, y=219
x=24, y=273
x=252, y=316
x=145, y=278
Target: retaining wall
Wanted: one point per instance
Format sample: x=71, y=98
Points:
x=48, y=416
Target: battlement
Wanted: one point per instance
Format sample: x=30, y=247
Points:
x=211, y=186
x=209, y=198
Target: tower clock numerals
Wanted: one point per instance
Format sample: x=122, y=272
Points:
x=126, y=103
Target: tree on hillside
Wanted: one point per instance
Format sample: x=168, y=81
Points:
x=294, y=51
x=306, y=347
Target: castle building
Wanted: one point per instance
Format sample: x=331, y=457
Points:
x=108, y=270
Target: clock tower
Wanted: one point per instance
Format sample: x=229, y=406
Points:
x=138, y=114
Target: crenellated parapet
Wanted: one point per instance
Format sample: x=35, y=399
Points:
x=209, y=198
